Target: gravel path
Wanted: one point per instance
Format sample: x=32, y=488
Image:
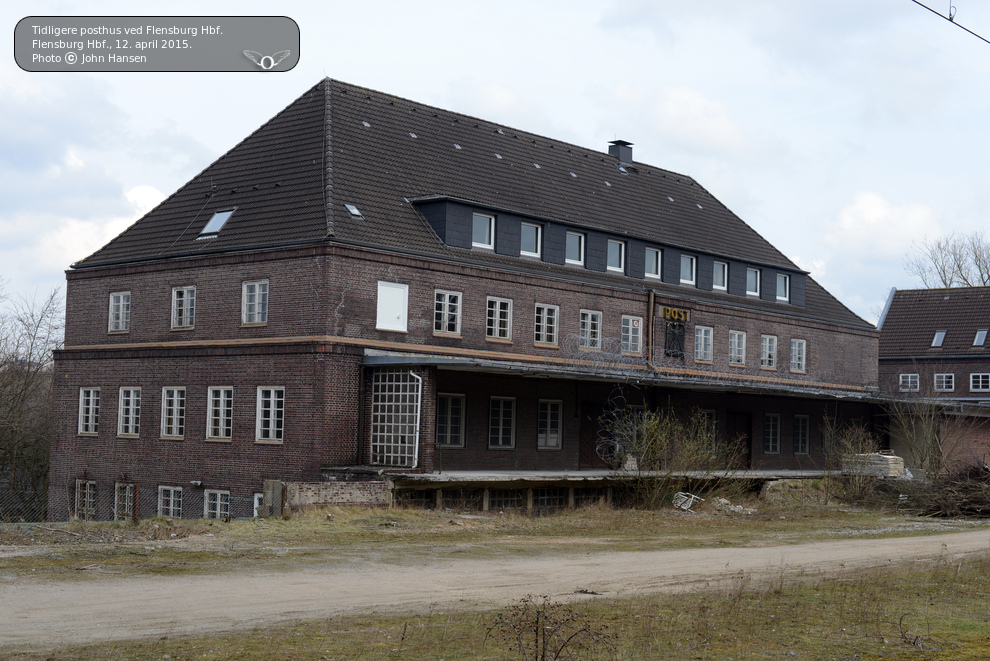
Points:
x=40, y=614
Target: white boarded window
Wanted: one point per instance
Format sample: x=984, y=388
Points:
x=393, y=306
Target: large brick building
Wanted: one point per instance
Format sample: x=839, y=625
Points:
x=366, y=281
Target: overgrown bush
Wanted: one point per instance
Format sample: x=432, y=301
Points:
x=671, y=451
x=544, y=630
x=963, y=492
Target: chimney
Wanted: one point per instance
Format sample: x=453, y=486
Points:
x=622, y=151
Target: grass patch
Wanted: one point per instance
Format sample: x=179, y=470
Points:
x=913, y=611
x=85, y=550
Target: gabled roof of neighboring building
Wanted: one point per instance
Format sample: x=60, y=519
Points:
x=291, y=181
x=914, y=317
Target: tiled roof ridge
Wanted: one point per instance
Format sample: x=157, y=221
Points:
x=182, y=189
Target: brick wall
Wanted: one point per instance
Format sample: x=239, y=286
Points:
x=300, y=495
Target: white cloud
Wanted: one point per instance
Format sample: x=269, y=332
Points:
x=870, y=226
x=144, y=198
x=816, y=267
x=688, y=117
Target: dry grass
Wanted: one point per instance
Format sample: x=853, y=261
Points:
x=81, y=550
x=916, y=611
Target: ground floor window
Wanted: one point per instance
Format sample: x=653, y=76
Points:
x=502, y=423
x=549, y=423
x=216, y=504
x=395, y=418
x=802, y=428
x=450, y=420
x=123, y=501
x=86, y=500
x=771, y=433
x=170, y=501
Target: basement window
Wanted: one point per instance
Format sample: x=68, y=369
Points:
x=216, y=224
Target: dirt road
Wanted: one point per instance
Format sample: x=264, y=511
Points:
x=42, y=613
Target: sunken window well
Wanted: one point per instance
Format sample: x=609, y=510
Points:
x=216, y=224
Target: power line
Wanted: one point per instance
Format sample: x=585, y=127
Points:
x=950, y=18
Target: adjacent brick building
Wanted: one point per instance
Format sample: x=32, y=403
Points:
x=934, y=354
x=367, y=284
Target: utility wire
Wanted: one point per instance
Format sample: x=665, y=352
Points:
x=950, y=18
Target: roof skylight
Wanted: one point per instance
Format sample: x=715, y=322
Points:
x=537, y=166
x=670, y=198
x=980, y=339
x=215, y=224
x=456, y=146
x=573, y=175
x=366, y=123
x=412, y=135
x=354, y=211
x=608, y=184
x=497, y=155
x=938, y=339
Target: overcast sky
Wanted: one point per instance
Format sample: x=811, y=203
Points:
x=844, y=132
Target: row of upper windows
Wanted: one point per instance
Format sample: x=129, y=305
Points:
x=269, y=413
x=704, y=349
x=946, y=382
x=531, y=242
x=447, y=312
x=448, y=306
x=254, y=307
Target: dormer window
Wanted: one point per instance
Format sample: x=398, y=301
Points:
x=938, y=339
x=216, y=224
x=574, y=247
x=783, y=287
x=753, y=282
x=483, y=231
x=529, y=240
x=616, y=256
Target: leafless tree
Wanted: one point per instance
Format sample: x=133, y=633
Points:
x=29, y=331
x=957, y=260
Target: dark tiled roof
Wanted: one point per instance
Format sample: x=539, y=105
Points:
x=915, y=315
x=340, y=144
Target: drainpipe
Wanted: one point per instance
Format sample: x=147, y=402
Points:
x=649, y=330
x=419, y=412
